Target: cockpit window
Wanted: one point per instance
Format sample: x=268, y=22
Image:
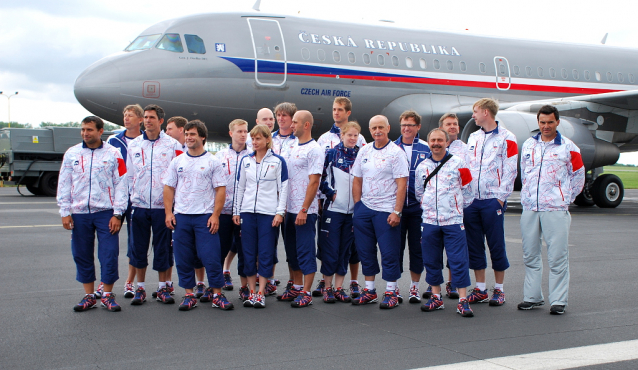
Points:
x=195, y=44
x=143, y=42
x=171, y=42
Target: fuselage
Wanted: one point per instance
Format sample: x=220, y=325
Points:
x=256, y=61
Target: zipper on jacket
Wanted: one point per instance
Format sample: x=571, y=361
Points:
x=257, y=174
x=90, y=180
x=538, y=184
x=150, y=191
x=478, y=187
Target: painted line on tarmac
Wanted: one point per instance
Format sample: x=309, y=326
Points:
x=28, y=202
x=17, y=226
x=567, y=358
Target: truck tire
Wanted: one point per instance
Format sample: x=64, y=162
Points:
x=49, y=184
x=34, y=189
x=607, y=191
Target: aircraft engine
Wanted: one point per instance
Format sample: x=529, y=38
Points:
x=604, y=191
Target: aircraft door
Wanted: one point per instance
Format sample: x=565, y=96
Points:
x=503, y=78
x=270, y=52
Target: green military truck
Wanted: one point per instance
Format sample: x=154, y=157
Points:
x=32, y=157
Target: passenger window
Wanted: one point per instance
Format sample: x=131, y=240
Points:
x=437, y=64
x=517, y=70
x=609, y=77
x=408, y=62
x=305, y=53
x=336, y=56
x=621, y=78
x=597, y=76
x=575, y=74
x=587, y=76
x=450, y=65
x=171, y=42
x=563, y=72
x=552, y=73
x=482, y=67
x=463, y=66
x=321, y=54
x=351, y=57
x=540, y=72
x=528, y=71
x=380, y=59
x=366, y=58
x=195, y=44
x=423, y=64
x=143, y=42
x=395, y=61
x=631, y=78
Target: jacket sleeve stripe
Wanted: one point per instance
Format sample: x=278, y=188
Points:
x=121, y=166
x=178, y=152
x=512, y=148
x=466, y=176
x=577, y=161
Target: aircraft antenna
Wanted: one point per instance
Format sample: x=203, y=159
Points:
x=257, y=4
x=604, y=40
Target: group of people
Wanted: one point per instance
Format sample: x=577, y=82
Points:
x=439, y=195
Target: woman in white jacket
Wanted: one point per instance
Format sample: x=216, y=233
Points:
x=260, y=206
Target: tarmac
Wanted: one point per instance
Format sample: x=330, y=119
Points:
x=41, y=330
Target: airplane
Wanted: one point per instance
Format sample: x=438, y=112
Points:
x=221, y=66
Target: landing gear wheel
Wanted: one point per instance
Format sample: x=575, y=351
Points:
x=584, y=199
x=607, y=191
x=49, y=184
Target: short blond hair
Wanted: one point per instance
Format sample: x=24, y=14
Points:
x=486, y=103
x=347, y=104
x=135, y=108
x=349, y=125
x=237, y=122
x=263, y=131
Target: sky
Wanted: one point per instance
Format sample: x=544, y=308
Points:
x=47, y=44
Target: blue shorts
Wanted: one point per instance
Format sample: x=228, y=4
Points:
x=142, y=222
x=258, y=243
x=336, y=236
x=85, y=227
x=300, y=244
x=432, y=241
x=484, y=219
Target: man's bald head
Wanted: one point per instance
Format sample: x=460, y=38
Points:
x=302, y=123
x=379, y=119
x=266, y=117
x=304, y=116
x=379, y=128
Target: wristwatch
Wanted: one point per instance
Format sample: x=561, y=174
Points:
x=397, y=213
x=118, y=216
x=304, y=210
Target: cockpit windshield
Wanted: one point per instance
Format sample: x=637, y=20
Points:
x=171, y=42
x=143, y=42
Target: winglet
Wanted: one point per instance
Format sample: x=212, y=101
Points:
x=604, y=40
x=258, y=3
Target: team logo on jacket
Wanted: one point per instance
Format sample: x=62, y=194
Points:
x=527, y=156
x=224, y=165
x=202, y=168
x=471, y=148
x=137, y=155
x=76, y=163
x=422, y=156
x=163, y=154
x=365, y=160
x=180, y=169
x=247, y=165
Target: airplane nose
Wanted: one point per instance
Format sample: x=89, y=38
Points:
x=98, y=90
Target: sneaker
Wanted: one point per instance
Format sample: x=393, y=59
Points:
x=170, y=288
x=557, y=309
x=341, y=296
x=398, y=293
x=451, y=291
x=139, y=297
x=189, y=302
x=415, y=297
x=99, y=291
x=244, y=293
x=86, y=303
x=289, y=295
x=129, y=290
x=164, y=296
x=207, y=296
x=464, y=309
x=277, y=282
x=390, y=300
x=355, y=290
x=259, y=301
x=250, y=301
x=367, y=296
x=478, y=296
x=108, y=302
x=222, y=303
x=329, y=295
x=271, y=289
x=289, y=285
x=428, y=292
x=318, y=292
x=303, y=299
x=498, y=298
x=433, y=304
x=529, y=305
x=228, y=281
x=199, y=290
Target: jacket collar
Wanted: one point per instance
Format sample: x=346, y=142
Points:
x=557, y=140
